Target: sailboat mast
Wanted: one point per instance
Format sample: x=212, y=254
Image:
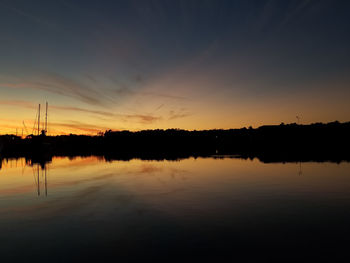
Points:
x=47, y=105
x=39, y=121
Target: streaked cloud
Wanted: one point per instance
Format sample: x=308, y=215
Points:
x=76, y=109
x=146, y=119
x=109, y=117
x=80, y=126
x=142, y=118
x=21, y=103
x=124, y=91
x=178, y=114
x=58, y=84
x=159, y=107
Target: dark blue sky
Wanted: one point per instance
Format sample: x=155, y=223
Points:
x=186, y=64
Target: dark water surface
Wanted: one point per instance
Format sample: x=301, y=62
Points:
x=193, y=210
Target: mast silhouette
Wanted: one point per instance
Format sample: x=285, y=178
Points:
x=39, y=121
x=47, y=105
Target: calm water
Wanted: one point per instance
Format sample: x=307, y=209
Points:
x=193, y=210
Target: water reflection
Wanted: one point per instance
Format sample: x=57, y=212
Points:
x=193, y=209
x=43, y=177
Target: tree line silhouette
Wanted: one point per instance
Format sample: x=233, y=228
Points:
x=269, y=143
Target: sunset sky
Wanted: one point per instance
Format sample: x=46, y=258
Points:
x=173, y=64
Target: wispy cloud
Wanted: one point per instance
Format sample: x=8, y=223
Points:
x=77, y=125
x=20, y=103
x=76, y=109
x=138, y=118
x=92, y=128
x=142, y=118
x=58, y=84
x=159, y=107
x=124, y=91
x=109, y=118
x=178, y=114
x=164, y=95
x=145, y=119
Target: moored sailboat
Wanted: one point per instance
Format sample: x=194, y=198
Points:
x=39, y=143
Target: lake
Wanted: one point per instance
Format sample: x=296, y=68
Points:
x=196, y=210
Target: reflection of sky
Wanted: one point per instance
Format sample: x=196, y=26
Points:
x=96, y=208
x=205, y=184
x=164, y=64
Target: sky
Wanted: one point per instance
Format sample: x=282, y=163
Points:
x=206, y=64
